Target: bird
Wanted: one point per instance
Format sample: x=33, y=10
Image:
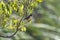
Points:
x=28, y=17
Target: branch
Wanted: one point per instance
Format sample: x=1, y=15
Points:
x=18, y=24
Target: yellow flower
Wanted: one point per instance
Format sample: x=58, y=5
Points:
x=6, y=10
x=39, y=0
x=11, y=27
x=3, y=3
x=0, y=5
x=23, y=29
x=21, y=7
x=15, y=21
x=33, y=4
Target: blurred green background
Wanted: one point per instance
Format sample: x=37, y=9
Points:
x=45, y=23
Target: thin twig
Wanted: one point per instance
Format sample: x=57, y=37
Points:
x=18, y=24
